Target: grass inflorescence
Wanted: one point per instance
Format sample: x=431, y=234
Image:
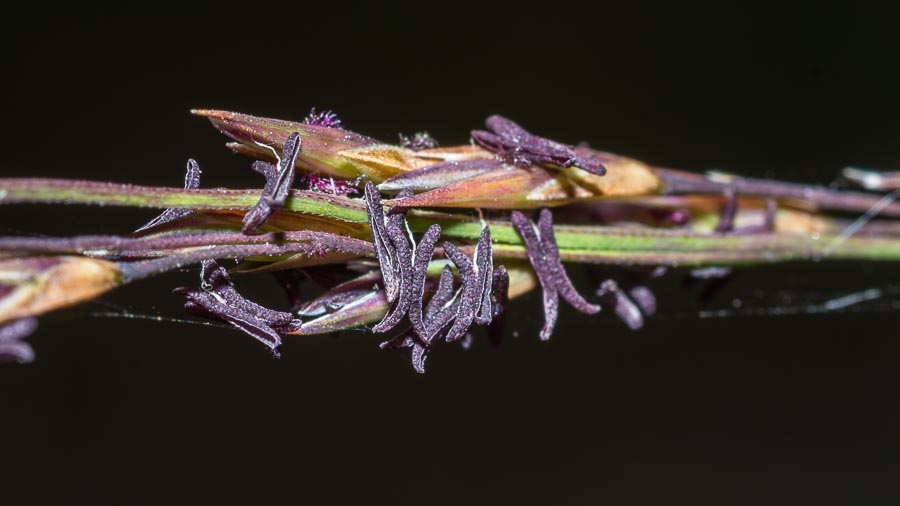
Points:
x=427, y=242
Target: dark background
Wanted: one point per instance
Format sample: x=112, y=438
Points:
x=776, y=410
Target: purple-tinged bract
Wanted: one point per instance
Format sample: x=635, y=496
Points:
x=321, y=184
x=440, y=175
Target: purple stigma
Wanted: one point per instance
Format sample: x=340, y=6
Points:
x=418, y=141
x=327, y=119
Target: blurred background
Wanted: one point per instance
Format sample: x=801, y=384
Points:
x=688, y=410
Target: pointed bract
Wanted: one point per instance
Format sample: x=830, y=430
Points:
x=439, y=175
x=382, y=161
x=365, y=309
x=340, y=295
x=321, y=144
x=31, y=286
x=505, y=187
